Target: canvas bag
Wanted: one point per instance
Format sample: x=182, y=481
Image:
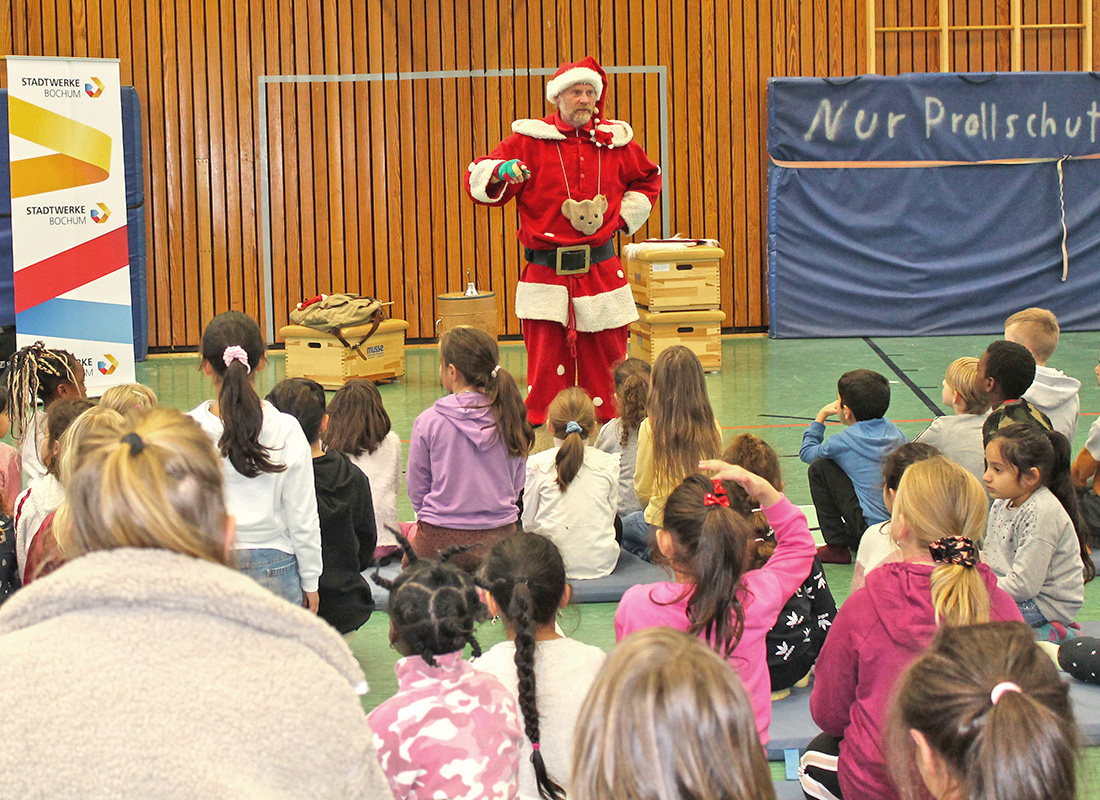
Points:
x=334, y=312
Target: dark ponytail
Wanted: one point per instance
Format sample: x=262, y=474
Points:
x=475, y=355
x=1026, y=446
x=712, y=546
x=526, y=576
x=631, y=376
x=572, y=418
x=239, y=406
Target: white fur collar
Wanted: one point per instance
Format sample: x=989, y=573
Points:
x=621, y=132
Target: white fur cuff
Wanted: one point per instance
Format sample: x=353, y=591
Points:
x=480, y=173
x=634, y=210
x=604, y=311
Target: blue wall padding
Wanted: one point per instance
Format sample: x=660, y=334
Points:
x=135, y=218
x=931, y=250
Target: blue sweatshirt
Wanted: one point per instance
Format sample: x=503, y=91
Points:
x=859, y=450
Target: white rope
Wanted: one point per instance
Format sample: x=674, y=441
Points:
x=1065, y=233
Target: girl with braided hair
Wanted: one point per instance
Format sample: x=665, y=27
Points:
x=714, y=595
x=450, y=731
x=39, y=374
x=939, y=519
x=547, y=672
x=267, y=463
x=572, y=490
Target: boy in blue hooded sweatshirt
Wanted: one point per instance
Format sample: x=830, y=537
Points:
x=846, y=471
x=468, y=452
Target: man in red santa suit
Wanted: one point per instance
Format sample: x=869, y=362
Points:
x=577, y=179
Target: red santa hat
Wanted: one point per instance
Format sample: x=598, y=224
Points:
x=587, y=70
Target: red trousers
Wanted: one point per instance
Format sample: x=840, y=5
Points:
x=551, y=367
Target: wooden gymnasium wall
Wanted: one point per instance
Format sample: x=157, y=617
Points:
x=365, y=177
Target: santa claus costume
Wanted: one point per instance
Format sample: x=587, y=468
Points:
x=575, y=320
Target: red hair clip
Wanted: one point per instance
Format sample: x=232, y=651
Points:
x=718, y=497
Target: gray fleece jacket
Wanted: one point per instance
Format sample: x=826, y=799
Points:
x=145, y=673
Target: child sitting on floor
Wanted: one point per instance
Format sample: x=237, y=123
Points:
x=548, y=673
x=450, y=731
x=1052, y=392
x=572, y=490
x=344, y=510
x=846, y=470
x=11, y=462
x=796, y=638
x=1005, y=371
x=1034, y=542
x=713, y=596
x=959, y=436
x=620, y=435
x=359, y=427
x=668, y=719
x=1084, y=474
x=128, y=398
x=877, y=545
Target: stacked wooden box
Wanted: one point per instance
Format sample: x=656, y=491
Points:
x=314, y=354
x=675, y=285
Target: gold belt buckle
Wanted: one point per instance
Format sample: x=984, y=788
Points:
x=574, y=260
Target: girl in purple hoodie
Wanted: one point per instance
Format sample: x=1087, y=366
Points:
x=939, y=514
x=468, y=453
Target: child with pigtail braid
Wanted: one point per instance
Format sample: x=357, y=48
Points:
x=450, y=731
x=548, y=673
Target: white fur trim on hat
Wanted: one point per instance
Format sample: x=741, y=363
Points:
x=634, y=210
x=542, y=301
x=604, y=311
x=480, y=173
x=537, y=129
x=559, y=83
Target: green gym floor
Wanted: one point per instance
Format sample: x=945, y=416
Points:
x=768, y=387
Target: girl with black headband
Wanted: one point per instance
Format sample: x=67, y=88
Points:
x=939, y=520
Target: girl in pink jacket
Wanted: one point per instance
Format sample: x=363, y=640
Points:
x=707, y=545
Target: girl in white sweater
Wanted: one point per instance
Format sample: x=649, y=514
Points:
x=525, y=578
x=267, y=465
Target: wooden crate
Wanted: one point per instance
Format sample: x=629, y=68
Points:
x=674, y=278
x=320, y=356
x=701, y=331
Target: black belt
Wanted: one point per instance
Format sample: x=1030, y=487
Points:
x=574, y=260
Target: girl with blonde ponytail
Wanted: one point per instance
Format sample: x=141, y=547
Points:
x=939, y=520
x=572, y=492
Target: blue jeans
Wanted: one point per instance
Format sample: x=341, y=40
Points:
x=1031, y=613
x=637, y=534
x=274, y=570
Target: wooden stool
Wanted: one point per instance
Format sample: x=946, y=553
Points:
x=699, y=331
x=320, y=356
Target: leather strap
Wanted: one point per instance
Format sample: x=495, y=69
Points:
x=376, y=320
x=548, y=258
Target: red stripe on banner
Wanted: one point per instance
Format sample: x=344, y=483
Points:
x=71, y=269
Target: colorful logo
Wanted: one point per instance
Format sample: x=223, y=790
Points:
x=100, y=215
x=95, y=88
x=106, y=368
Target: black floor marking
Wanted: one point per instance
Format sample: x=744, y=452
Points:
x=903, y=377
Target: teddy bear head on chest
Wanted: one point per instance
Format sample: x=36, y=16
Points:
x=586, y=216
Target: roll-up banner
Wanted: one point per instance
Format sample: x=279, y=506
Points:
x=68, y=193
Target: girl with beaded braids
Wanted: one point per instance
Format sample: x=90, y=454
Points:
x=714, y=595
x=572, y=490
x=939, y=519
x=39, y=374
x=548, y=673
x=267, y=464
x=467, y=452
x=450, y=731
x=984, y=715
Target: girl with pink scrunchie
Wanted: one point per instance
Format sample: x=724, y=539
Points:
x=266, y=462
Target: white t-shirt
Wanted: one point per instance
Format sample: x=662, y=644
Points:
x=958, y=438
x=581, y=520
x=383, y=470
x=33, y=445
x=564, y=670
x=876, y=546
x=274, y=510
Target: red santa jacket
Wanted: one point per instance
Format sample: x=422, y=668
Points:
x=599, y=158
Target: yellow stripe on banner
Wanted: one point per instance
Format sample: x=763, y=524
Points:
x=923, y=164
x=83, y=154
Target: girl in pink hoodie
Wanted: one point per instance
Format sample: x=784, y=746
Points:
x=707, y=545
x=939, y=514
x=468, y=453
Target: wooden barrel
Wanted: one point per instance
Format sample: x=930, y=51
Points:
x=479, y=311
